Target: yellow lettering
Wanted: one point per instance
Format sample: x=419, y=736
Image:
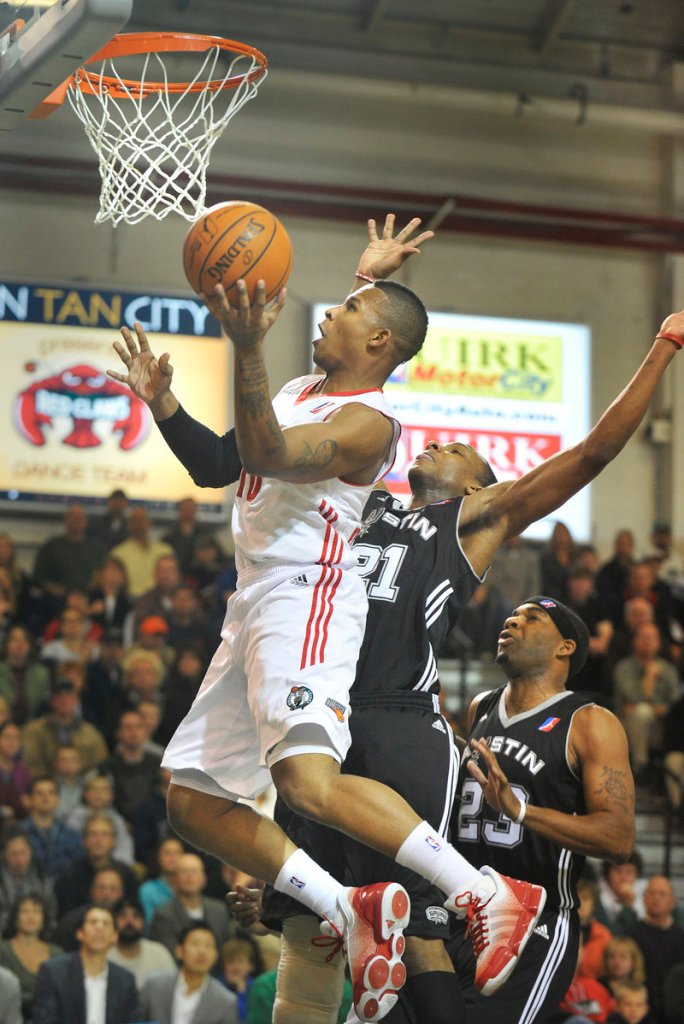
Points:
x=73, y=306
x=99, y=308
x=48, y=295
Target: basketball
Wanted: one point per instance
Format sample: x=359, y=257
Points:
x=237, y=240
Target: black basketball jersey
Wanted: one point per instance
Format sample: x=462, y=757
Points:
x=531, y=749
x=418, y=581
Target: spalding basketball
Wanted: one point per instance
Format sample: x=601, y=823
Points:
x=237, y=240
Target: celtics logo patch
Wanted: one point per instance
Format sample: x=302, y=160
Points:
x=299, y=697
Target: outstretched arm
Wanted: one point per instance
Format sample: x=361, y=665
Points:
x=496, y=513
x=351, y=443
x=598, y=747
x=383, y=256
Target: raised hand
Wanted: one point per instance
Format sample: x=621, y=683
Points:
x=495, y=786
x=247, y=324
x=384, y=255
x=244, y=905
x=148, y=377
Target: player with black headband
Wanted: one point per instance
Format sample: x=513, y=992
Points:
x=549, y=781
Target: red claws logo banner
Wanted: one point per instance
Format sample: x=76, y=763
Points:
x=86, y=396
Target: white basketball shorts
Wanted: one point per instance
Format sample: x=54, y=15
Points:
x=289, y=646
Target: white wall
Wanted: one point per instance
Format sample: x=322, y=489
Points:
x=419, y=146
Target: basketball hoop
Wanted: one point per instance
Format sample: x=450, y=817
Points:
x=153, y=138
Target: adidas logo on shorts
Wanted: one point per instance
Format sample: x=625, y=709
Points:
x=299, y=581
x=438, y=724
x=542, y=930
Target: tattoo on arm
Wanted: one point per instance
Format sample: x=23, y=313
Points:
x=316, y=458
x=613, y=788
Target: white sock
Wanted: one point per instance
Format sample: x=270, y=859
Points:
x=430, y=855
x=301, y=878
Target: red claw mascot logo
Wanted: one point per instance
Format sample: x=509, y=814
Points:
x=84, y=395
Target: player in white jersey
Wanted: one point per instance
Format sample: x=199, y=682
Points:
x=275, y=701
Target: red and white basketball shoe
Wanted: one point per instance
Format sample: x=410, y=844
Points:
x=502, y=913
x=370, y=924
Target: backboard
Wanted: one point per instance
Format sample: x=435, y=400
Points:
x=43, y=42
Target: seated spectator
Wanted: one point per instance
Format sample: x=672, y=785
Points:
x=18, y=580
x=585, y=602
x=104, y=698
x=24, y=682
x=204, y=574
x=555, y=562
x=622, y=962
x=515, y=572
x=68, y=774
x=12, y=807
x=144, y=672
x=660, y=939
x=106, y=890
x=70, y=987
x=673, y=999
x=76, y=600
x=142, y=957
x=637, y=612
x=157, y=600
x=203, y=999
x=481, y=620
x=621, y=890
x=186, y=532
x=631, y=1005
x=673, y=745
x=643, y=582
x=62, y=725
x=150, y=712
x=180, y=690
x=595, y=936
x=72, y=885
x=613, y=575
x=140, y=554
x=10, y=998
x=108, y=600
x=13, y=770
x=26, y=948
x=19, y=877
x=72, y=644
x=238, y=967
x=188, y=624
x=149, y=822
x=133, y=771
x=156, y=889
x=110, y=528
x=98, y=798
x=152, y=637
x=54, y=845
x=171, y=918
x=66, y=561
x=644, y=688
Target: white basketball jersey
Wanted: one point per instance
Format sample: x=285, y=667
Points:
x=275, y=521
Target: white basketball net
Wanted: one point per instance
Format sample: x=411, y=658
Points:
x=153, y=149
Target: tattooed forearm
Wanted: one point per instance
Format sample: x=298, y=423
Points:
x=614, y=788
x=316, y=458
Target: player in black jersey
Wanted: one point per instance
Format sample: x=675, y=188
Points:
x=549, y=782
x=407, y=607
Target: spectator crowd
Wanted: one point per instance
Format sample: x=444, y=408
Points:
x=103, y=647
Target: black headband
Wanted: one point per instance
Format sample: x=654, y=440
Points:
x=570, y=627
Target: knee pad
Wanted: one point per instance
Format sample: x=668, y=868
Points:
x=308, y=988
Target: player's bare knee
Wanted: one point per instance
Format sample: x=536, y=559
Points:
x=303, y=793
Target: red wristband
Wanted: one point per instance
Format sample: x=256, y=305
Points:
x=670, y=337
x=365, y=277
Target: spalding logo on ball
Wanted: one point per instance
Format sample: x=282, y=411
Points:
x=237, y=240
